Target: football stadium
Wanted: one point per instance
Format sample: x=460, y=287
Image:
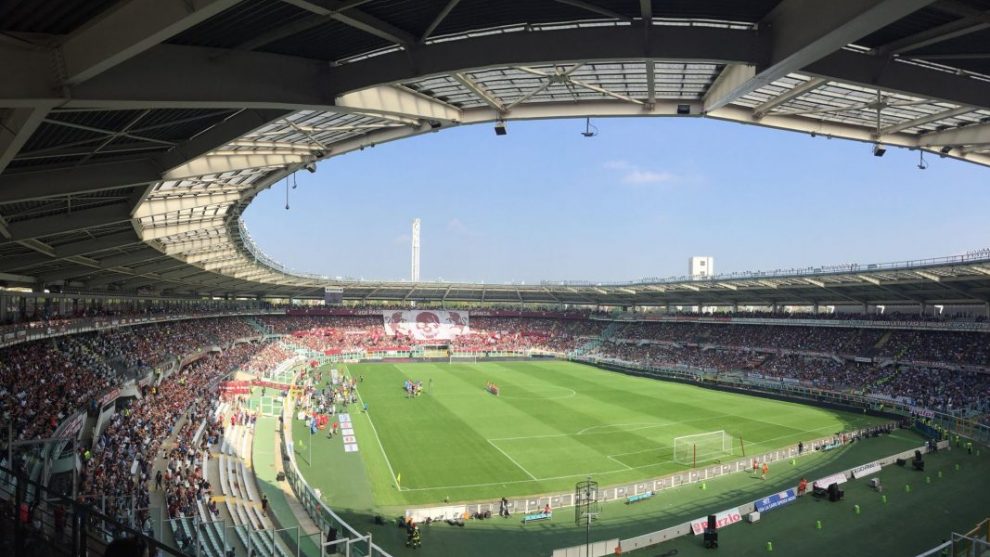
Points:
x=173, y=384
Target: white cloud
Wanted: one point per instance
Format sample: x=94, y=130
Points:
x=635, y=175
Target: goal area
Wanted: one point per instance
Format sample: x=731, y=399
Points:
x=690, y=450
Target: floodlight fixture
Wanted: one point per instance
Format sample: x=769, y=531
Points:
x=500, y=128
x=879, y=150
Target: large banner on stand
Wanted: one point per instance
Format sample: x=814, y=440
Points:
x=426, y=324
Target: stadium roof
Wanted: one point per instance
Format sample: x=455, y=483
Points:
x=135, y=132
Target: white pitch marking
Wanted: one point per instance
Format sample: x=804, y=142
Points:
x=380, y=446
x=619, y=462
x=512, y=459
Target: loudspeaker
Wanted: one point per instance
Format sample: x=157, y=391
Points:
x=280, y=477
x=919, y=465
x=711, y=539
x=901, y=462
x=834, y=493
x=711, y=522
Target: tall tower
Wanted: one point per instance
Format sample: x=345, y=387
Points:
x=415, y=251
x=701, y=267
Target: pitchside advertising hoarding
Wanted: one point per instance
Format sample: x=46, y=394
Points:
x=426, y=324
x=776, y=500
x=722, y=519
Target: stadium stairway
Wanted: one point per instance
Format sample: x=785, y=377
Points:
x=238, y=484
x=258, y=326
x=593, y=343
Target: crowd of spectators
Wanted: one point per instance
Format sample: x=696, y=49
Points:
x=118, y=467
x=954, y=391
x=514, y=334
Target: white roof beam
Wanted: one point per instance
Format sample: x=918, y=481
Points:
x=192, y=246
x=872, y=280
x=951, y=113
x=175, y=228
x=130, y=29
x=394, y=100
x=219, y=253
x=929, y=276
x=478, y=91
x=163, y=205
x=978, y=134
x=803, y=32
x=793, y=93
x=218, y=164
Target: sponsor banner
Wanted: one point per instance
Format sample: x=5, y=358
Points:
x=924, y=412
x=823, y=483
x=437, y=513
x=350, y=439
x=865, y=470
x=344, y=418
x=350, y=448
x=722, y=519
x=776, y=500
x=426, y=325
x=347, y=431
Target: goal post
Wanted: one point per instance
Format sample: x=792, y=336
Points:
x=690, y=450
x=463, y=358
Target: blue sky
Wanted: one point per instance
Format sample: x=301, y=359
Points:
x=545, y=203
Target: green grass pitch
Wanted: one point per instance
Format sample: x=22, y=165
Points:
x=553, y=424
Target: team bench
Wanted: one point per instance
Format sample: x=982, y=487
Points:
x=640, y=497
x=536, y=516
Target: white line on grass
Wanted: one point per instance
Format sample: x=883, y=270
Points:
x=584, y=474
x=512, y=459
x=619, y=462
x=380, y=446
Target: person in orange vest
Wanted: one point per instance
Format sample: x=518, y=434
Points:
x=802, y=486
x=618, y=548
x=765, y=470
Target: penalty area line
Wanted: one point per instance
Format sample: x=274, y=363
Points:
x=520, y=466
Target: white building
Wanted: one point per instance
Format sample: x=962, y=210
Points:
x=701, y=267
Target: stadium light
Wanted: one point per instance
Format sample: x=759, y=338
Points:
x=879, y=150
x=500, y=128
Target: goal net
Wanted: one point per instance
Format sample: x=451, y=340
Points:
x=702, y=447
x=463, y=358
